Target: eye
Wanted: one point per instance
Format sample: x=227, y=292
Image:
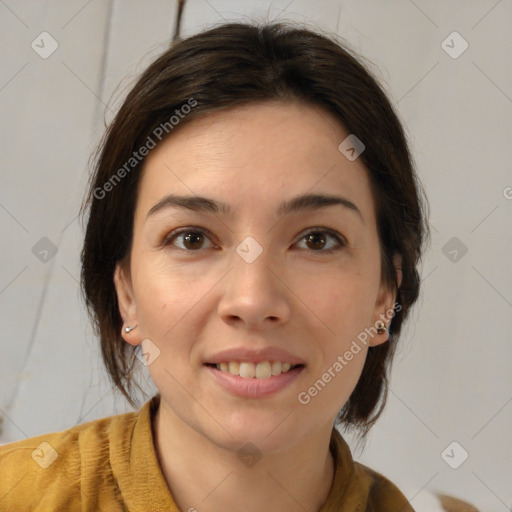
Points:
x=317, y=238
x=192, y=240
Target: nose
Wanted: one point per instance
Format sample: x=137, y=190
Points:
x=255, y=295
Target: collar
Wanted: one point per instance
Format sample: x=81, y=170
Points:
x=136, y=466
x=137, y=469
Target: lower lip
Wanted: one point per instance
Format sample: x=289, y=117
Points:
x=254, y=388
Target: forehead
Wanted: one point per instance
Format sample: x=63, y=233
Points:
x=256, y=154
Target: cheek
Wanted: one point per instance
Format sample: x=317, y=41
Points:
x=346, y=309
x=344, y=301
x=167, y=298
x=159, y=295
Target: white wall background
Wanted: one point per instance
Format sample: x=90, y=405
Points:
x=451, y=379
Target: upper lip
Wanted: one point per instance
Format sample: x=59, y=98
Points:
x=254, y=356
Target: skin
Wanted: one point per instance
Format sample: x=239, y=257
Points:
x=191, y=305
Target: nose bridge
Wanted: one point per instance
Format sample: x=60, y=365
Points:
x=251, y=266
x=252, y=291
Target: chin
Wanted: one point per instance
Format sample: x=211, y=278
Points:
x=267, y=432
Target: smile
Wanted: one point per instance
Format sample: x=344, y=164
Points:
x=251, y=382
x=261, y=370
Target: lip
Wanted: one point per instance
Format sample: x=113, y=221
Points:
x=254, y=388
x=246, y=355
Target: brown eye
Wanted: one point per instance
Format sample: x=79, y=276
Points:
x=317, y=240
x=191, y=239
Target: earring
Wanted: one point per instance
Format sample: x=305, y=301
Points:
x=381, y=327
x=129, y=329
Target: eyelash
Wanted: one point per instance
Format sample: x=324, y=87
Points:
x=316, y=230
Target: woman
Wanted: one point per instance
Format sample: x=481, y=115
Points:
x=254, y=233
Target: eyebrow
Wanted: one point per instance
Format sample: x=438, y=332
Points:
x=294, y=205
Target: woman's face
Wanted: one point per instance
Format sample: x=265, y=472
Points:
x=255, y=278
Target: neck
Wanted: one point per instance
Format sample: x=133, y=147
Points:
x=205, y=477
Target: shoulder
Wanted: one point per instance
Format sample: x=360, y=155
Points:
x=360, y=486
x=384, y=496
x=60, y=470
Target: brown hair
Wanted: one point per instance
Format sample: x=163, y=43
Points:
x=234, y=64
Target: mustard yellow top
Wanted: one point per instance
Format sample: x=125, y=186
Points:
x=111, y=465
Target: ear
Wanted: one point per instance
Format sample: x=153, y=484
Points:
x=384, y=306
x=127, y=304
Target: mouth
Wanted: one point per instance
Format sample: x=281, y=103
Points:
x=248, y=370
x=247, y=379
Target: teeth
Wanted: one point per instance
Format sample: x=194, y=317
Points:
x=262, y=370
x=276, y=368
x=247, y=370
x=234, y=368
